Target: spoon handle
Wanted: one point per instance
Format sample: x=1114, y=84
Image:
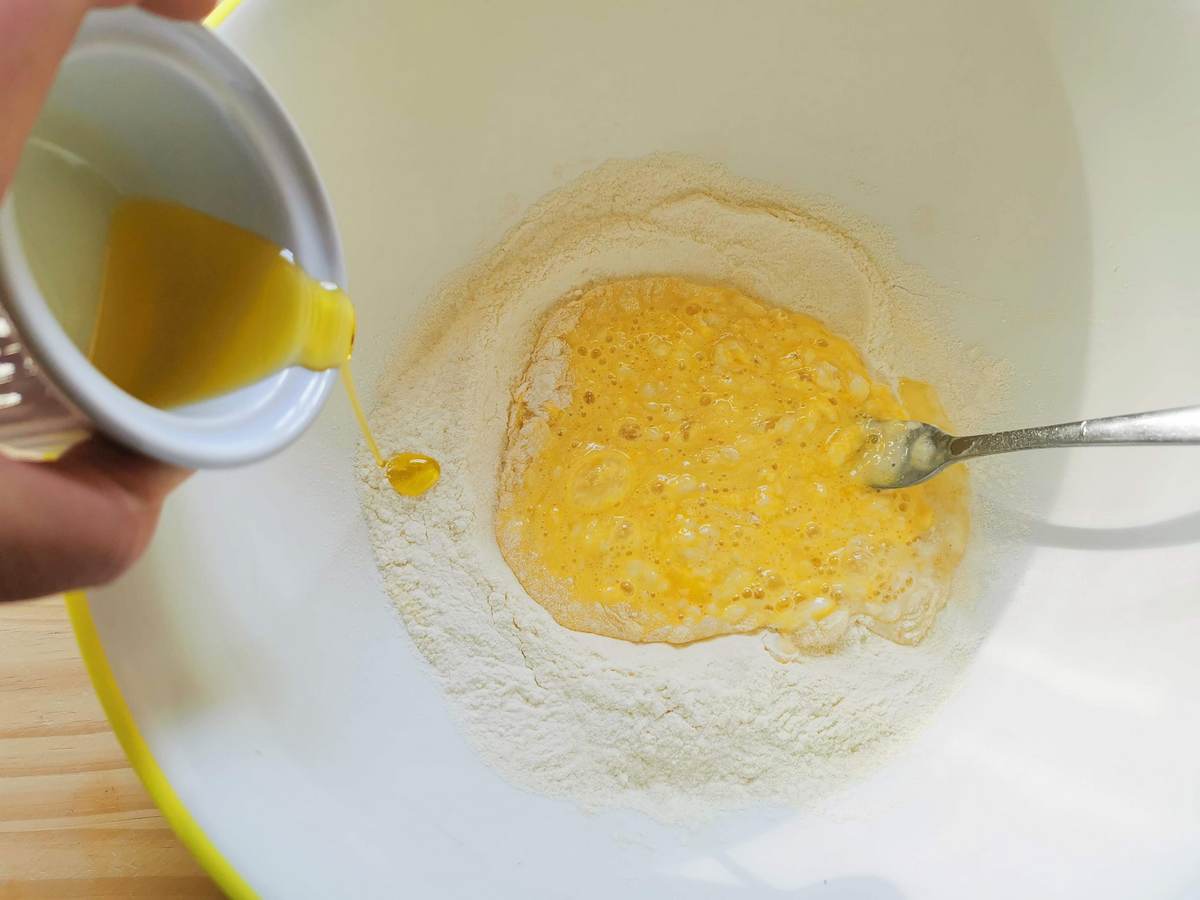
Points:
x=1166, y=426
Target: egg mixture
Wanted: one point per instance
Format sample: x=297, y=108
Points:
x=680, y=464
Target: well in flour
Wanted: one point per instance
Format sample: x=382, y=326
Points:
x=680, y=733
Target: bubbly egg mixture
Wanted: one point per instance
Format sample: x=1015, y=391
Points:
x=680, y=464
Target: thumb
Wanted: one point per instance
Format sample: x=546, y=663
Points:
x=80, y=520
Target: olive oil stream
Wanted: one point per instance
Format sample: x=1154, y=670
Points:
x=192, y=307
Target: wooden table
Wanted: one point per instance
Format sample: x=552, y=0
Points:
x=74, y=819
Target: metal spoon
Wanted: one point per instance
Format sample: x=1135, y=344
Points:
x=900, y=454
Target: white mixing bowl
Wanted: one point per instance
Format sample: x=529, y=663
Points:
x=1041, y=159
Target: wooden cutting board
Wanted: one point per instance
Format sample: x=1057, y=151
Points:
x=74, y=819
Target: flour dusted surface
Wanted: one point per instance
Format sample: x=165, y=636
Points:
x=677, y=732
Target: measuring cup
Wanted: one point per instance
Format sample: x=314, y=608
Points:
x=167, y=111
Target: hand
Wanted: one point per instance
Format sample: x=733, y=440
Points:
x=85, y=518
x=80, y=520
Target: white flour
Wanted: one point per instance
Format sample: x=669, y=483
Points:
x=678, y=732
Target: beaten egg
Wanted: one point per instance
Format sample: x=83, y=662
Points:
x=680, y=464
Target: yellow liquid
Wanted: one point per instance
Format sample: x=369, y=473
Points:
x=699, y=477
x=410, y=474
x=174, y=306
x=193, y=307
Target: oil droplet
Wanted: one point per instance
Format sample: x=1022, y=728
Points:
x=412, y=474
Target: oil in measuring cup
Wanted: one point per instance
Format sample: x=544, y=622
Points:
x=192, y=307
x=176, y=307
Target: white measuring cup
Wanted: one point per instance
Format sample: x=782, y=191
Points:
x=167, y=111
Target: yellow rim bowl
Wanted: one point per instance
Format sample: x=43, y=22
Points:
x=1035, y=158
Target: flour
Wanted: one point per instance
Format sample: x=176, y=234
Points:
x=680, y=733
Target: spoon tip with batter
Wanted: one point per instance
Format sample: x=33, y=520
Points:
x=899, y=454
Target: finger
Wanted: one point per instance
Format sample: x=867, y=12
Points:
x=34, y=35
x=175, y=9
x=98, y=461
x=78, y=521
x=181, y=9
